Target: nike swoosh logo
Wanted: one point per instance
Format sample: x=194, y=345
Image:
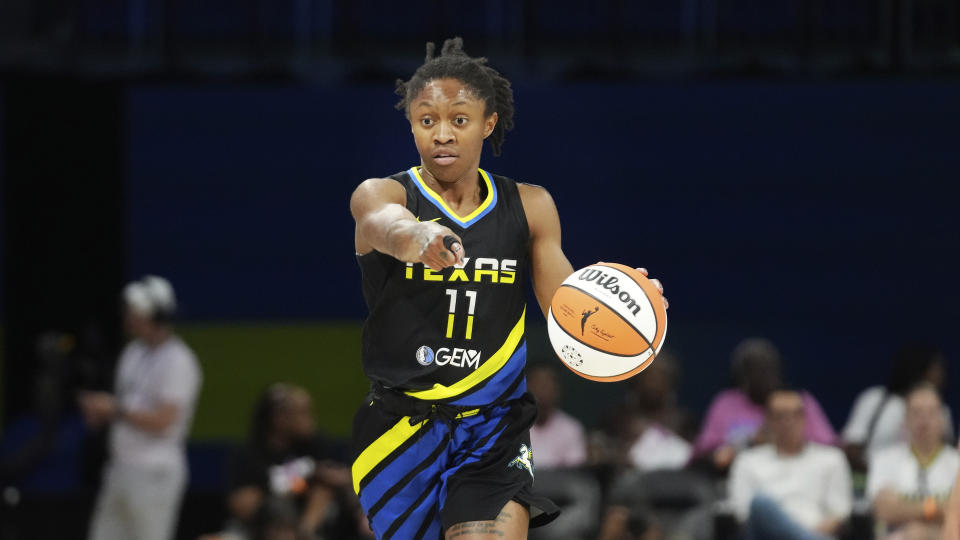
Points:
x=429, y=220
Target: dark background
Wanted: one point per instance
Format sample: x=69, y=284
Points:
x=788, y=169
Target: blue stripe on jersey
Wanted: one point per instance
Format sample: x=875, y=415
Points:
x=485, y=206
x=495, y=385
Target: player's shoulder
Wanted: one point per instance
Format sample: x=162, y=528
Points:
x=536, y=199
x=374, y=190
x=392, y=182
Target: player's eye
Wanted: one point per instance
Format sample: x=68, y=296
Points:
x=460, y=121
x=426, y=121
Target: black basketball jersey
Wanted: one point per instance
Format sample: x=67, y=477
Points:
x=455, y=335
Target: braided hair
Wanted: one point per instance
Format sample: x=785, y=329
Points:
x=485, y=82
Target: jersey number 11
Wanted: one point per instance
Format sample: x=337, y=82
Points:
x=472, y=298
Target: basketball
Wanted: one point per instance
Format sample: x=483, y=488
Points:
x=607, y=322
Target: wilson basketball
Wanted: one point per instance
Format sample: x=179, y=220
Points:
x=607, y=322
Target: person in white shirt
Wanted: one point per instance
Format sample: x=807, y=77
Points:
x=877, y=418
x=790, y=488
x=557, y=439
x=157, y=382
x=909, y=484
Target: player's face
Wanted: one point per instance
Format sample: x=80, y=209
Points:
x=449, y=126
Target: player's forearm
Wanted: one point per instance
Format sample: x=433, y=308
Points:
x=404, y=240
x=394, y=231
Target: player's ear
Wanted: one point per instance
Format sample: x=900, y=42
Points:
x=489, y=124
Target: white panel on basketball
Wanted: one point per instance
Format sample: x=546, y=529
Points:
x=664, y=337
x=620, y=293
x=569, y=350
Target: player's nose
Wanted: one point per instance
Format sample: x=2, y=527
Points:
x=443, y=134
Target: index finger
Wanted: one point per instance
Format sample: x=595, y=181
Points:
x=455, y=246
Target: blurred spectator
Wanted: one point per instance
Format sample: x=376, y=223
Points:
x=40, y=450
x=556, y=437
x=647, y=429
x=790, y=488
x=620, y=524
x=157, y=382
x=877, y=418
x=736, y=415
x=951, y=520
x=287, y=464
x=909, y=483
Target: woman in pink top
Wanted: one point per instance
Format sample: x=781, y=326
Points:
x=735, y=418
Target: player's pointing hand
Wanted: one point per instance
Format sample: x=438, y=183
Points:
x=438, y=253
x=666, y=304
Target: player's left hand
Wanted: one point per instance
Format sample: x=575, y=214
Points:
x=666, y=304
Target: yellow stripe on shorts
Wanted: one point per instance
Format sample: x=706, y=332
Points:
x=385, y=445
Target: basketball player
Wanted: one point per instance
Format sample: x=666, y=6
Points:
x=445, y=248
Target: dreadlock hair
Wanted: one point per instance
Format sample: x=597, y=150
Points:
x=485, y=82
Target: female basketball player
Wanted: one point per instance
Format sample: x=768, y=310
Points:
x=445, y=249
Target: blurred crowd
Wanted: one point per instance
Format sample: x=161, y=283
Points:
x=763, y=462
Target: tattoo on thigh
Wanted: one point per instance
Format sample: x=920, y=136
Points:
x=477, y=527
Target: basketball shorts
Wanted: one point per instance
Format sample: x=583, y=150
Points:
x=421, y=468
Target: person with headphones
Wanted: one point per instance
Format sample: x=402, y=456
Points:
x=149, y=414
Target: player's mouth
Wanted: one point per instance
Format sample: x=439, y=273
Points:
x=444, y=157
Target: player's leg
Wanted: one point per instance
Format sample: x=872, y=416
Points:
x=511, y=523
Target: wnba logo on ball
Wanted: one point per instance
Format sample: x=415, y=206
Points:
x=425, y=355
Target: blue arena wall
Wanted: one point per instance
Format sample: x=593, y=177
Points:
x=814, y=213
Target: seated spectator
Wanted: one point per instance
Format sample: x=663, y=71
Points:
x=735, y=416
x=647, y=429
x=557, y=439
x=790, y=488
x=287, y=463
x=877, y=418
x=909, y=483
x=620, y=524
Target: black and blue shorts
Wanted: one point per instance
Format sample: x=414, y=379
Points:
x=422, y=467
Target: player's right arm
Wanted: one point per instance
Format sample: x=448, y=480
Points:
x=384, y=224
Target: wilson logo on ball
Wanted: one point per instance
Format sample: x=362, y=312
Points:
x=609, y=283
